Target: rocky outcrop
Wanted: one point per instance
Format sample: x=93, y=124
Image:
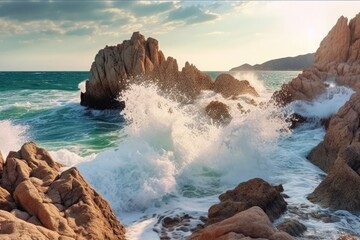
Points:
x=292, y=227
x=49, y=204
x=343, y=130
x=337, y=58
x=338, y=190
x=228, y=86
x=115, y=66
x=252, y=223
x=139, y=60
x=255, y=192
x=218, y=112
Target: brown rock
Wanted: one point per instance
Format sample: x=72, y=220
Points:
x=228, y=86
x=347, y=237
x=218, y=111
x=252, y=223
x=334, y=47
x=343, y=130
x=292, y=227
x=255, y=192
x=15, y=228
x=114, y=67
x=1, y=164
x=64, y=204
x=337, y=189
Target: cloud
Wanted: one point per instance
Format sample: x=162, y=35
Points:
x=148, y=8
x=191, y=15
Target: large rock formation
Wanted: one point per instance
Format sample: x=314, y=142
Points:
x=255, y=192
x=140, y=61
x=337, y=58
x=343, y=130
x=44, y=203
x=115, y=66
x=340, y=187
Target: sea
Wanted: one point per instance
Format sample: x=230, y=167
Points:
x=159, y=158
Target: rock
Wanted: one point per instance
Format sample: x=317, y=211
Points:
x=141, y=60
x=15, y=228
x=334, y=47
x=296, y=120
x=228, y=86
x=62, y=205
x=255, y=192
x=347, y=237
x=343, y=130
x=248, y=224
x=337, y=189
x=336, y=58
x=1, y=163
x=292, y=227
x=218, y=112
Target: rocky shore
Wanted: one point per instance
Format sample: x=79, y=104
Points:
x=38, y=200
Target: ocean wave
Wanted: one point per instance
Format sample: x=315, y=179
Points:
x=12, y=136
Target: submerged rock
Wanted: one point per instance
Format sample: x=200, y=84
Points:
x=48, y=204
x=292, y=227
x=255, y=192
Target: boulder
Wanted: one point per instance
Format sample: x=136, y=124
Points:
x=255, y=192
x=228, y=86
x=292, y=227
x=252, y=223
x=139, y=60
x=55, y=204
x=343, y=130
x=218, y=112
x=338, y=190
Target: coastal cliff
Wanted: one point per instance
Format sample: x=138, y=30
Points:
x=40, y=201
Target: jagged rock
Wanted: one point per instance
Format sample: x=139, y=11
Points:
x=292, y=227
x=115, y=66
x=337, y=58
x=338, y=190
x=55, y=205
x=343, y=130
x=218, y=112
x=248, y=224
x=334, y=47
x=228, y=86
x=255, y=192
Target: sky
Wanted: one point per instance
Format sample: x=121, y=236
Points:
x=213, y=35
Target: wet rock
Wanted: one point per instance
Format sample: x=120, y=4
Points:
x=255, y=192
x=347, y=237
x=228, y=86
x=337, y=189
x=248, y=224
x=292, y=227
x=134, y=61
x=218, y=112
x=55, y=205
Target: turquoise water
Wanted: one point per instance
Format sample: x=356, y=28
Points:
x=163, y=158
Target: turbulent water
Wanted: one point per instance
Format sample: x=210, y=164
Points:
x=161, y=158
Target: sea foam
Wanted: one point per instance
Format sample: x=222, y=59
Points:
x=12, y=136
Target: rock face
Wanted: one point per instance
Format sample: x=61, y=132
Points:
x=252, y=223
x=343, y=130
x=255, y=192
x=49, y=204
x=139, y=60
x=337, y=59
x=338, y=189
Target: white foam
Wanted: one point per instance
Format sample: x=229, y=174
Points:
x=82, y=86
x=12, y=137
x=325, y=105
x=254, y=81
x=69, y=158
